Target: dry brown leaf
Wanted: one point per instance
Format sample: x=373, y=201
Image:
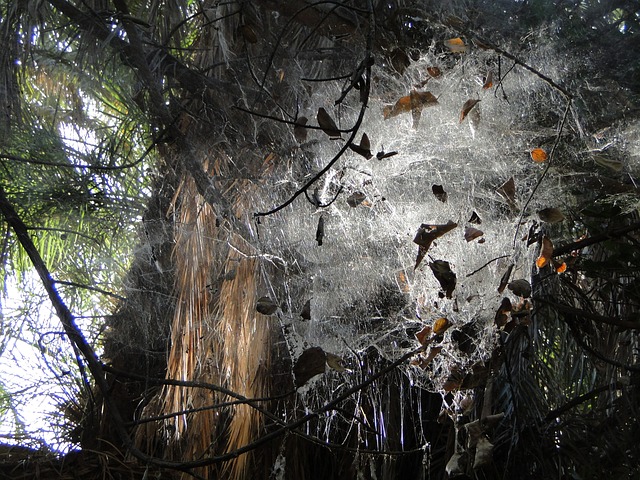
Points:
x=546, y=252
x=467, y=107
x=356, y=199
x=306, y=311
x=488, y=81
x=414, y=102
x=424, y=336
x=266, y=306
x=520, y=287
x=502, y=318
x=471, y=233
x=364, y=148
x=427, y=234
x=445, y=276
x=312, y=362
x=551, y=215
x=439, y=192
x=335, y=362
x=434, y=72
x=475, y=218
x=508, y=191
x=327, y=124
x=505, y=279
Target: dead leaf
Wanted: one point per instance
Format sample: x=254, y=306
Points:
x=551, y=215
x=521, y=288
x=605, y=160
x=266, y=306
x=475, y=218
x=560, y=267
x=471, y=233
x=312, y=362
x=306, y=311
x=399, y=60
x=403, y=283
x=427, y=234
x=423, y=336
x=414, y=103
x=488, y=81
x=502, y=318
x=508, y=191
x=364, y=148
x=434, y=72
x=505, y=278
x=441, y=325
x=320, y=231
x=546, y=252
x=299, y=129
x=382, y=155
x=356, y=199
x=538, y=155
x=335, y=362
x=456, y=45
x=466, y=108
x=439, y=192
x=454, y=380
x=327, y=124
x=445, y=276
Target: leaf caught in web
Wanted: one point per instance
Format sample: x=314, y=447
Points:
x=320, y=231
x=441, y=325
x=327, y=124
x=521, y=288
x=538, y=155
x=356, y=199
x=312, y=362
x=546, y=252
x=434, y=72
x=414, y=103
x=551, y=215
x=427, y=234
x=456, y=45
x=424, y=335
x=336, y=362
x=305, y=313
x=266, y=306
x=467, y=107
x=505, y=278
x=488, y=81
x=364, y=148
x=439, y=192
x=475, y=218
x=502, y=318
x=382, y=155
x=508, y=191
x=445, y=276
x=471, y=233
x=299, y=129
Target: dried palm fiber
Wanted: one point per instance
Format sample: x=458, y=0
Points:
x=216, y=337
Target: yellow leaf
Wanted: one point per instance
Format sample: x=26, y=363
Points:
x=538, y=155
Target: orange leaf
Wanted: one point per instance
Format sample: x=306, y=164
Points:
x=546, y=252
x=538, y=155
x=456, y=45
x=560, y=267
x=467, y=107
x=441, y=325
